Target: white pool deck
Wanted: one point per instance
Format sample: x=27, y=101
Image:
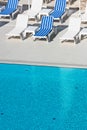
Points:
x=41, y=52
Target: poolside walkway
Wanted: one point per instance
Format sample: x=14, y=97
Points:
x=41, y=52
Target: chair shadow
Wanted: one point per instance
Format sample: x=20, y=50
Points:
x=73, y=1
x=58, y=29
x=2, y=23
x=70, y=11
x=73, y=10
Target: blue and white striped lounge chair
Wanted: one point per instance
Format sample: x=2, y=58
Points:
x=45, y=29
x=10, y=9
x=58, y=12
x=59, y=9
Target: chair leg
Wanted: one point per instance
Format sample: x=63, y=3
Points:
x=48, y=37
x=80, y=36
x=76, y=39
x=62, y=20
x=37, y=18
x=11, y=17
x=55, y=30
x=34, y=39
x=22, y=36
x=61, y=41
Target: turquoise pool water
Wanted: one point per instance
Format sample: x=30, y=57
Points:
x=42, y=98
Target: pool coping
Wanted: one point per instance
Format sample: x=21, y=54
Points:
x=43, y=64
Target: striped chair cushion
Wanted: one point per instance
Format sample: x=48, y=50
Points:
x=45, y=27
x=59, y=9
x=57, y=14
x=42, y=32
x=7, y=11
x=46, y=22
x=60, y=5
x=10, y=7
x=12, y=4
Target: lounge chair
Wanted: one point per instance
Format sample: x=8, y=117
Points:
x=59, y=9
x=45, y=28
x=84, y=15
x=58, y=12
x=20, y=26
x=73, y=30
x=10, y=9
x=35, y=9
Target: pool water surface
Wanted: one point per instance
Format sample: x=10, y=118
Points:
x=42, y=98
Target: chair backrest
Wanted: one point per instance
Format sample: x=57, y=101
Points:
x=60, y=5
x=36, y=5
x=46, y=22
x=12, y=4
x=22, y=21
x=74, y=24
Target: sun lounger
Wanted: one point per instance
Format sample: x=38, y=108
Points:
x=58, y=12
x=10, y=9
x=20, y=26
x=45, y=28
x=59, y=9
x=73, y=30
x=35, y=9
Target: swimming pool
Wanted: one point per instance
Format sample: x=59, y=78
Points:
x=42, y=98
